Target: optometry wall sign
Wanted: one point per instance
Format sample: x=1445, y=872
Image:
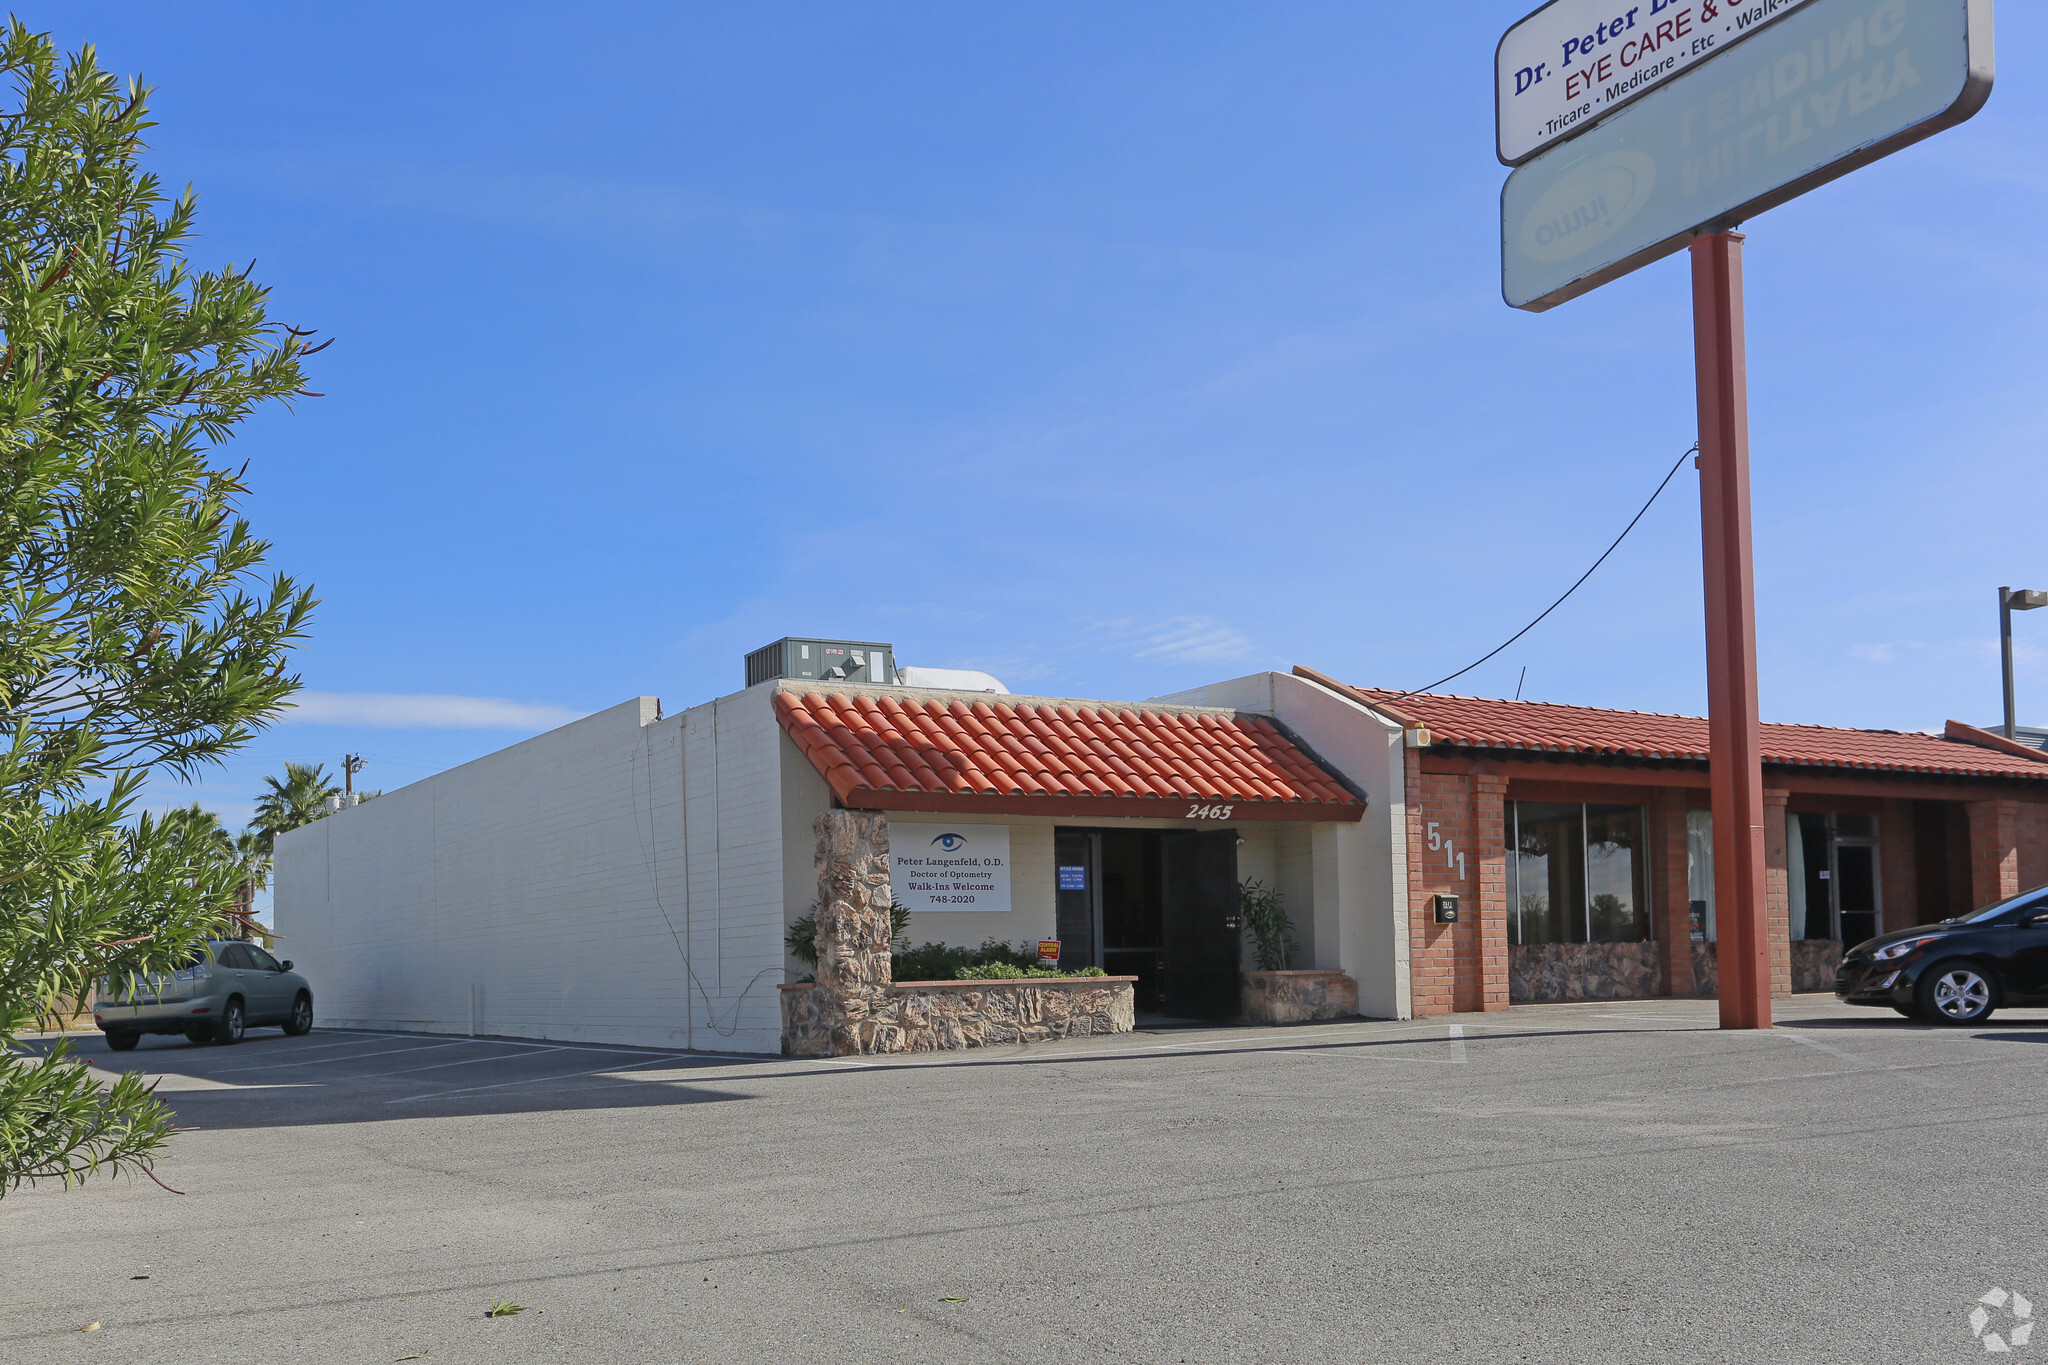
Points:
x=1834, y=85
x=1573, y=62
x=949, y=867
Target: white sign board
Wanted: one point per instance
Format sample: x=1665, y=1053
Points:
x=949, y=867
x=1573, y=62
x=1836, y=85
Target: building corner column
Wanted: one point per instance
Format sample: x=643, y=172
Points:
x=1898, y=862
x=853, y=932
x=1671, y=889
x=1778, y=889
x=1490, y=886
x=1994, y=851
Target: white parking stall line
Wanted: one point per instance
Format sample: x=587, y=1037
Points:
x=436, y=1066
x=1457, y=1043
x=325, y=1061
x=538, y=1080
x=1854, y=1060
x=373, y=1039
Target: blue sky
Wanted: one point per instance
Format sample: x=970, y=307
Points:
x=1109, y=348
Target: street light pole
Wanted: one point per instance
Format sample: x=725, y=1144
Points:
x=2010, y=601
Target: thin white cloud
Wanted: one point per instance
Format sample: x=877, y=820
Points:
x=1193, y=639
x=1884, y=653
x=423, y=711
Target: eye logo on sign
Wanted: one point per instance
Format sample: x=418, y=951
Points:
x=951, y=843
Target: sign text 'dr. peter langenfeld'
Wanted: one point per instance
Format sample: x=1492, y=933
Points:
x=1836, y=85
x=1572, y=62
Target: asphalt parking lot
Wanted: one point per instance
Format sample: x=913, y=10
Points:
x=1614, y=1182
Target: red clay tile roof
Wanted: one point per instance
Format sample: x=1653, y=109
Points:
x=1545, y=727
x=887, y=751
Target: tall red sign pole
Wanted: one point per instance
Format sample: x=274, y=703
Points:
x=1735, y=740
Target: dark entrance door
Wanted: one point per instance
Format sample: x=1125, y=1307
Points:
x=1855, y=882
x=1077, y=895
x=1200, y=919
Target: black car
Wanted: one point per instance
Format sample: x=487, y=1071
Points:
x=1957, y=971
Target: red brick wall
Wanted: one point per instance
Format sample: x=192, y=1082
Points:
x=1898, y=868
x=1465, y=966
x=1994, y=850
x=2033, y=835
x=1490, y=859
x=1777, y=890
x=1445, y=960
x=1670, y=887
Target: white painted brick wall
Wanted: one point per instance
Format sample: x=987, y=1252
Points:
x=589, y=883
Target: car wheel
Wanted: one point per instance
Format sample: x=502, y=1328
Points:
x=1956, y=993
x=231, y=1025
x=301, y=1022
x=122, y=1040
x=1907, y=1011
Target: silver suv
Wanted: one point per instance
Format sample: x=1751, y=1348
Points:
x=214, y=997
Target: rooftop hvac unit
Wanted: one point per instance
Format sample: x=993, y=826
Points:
x=823, y=660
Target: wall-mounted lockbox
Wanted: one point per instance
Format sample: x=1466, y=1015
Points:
x=1446, y=909
x=824, y=660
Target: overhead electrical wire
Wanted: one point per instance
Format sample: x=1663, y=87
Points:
x=1691, y=450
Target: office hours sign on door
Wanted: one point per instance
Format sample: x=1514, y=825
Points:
x=949, y=867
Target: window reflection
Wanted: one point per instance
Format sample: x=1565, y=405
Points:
x=1577, y=873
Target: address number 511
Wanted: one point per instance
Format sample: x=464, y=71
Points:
x=1454, y=857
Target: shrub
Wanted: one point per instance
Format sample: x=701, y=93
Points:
x=1004, y=971
x=945, y=962
x=802, y=938
x=1266, y=922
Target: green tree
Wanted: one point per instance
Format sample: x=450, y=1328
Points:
x=200, y=828
x=299, y=798
x=137, y=633
x=202, y=831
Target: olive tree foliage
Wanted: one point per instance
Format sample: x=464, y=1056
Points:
x=138, y=633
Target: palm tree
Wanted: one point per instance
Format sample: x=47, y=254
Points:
x=299, y=799
x=255, y=868
x=201, y=832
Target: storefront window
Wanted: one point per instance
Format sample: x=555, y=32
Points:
x=1830, y=875
x=1576, y=873
x=1699, y=873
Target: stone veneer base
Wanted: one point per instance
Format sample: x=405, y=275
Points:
x=1298, y=997
x=1814, y=961
x=1553, y=972
x=939, y=1016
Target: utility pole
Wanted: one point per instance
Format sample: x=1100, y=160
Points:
x=2011, y=600
x=351, y=764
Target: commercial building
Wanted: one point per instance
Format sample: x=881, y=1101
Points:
x=632, y=876
x=1591, y=872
